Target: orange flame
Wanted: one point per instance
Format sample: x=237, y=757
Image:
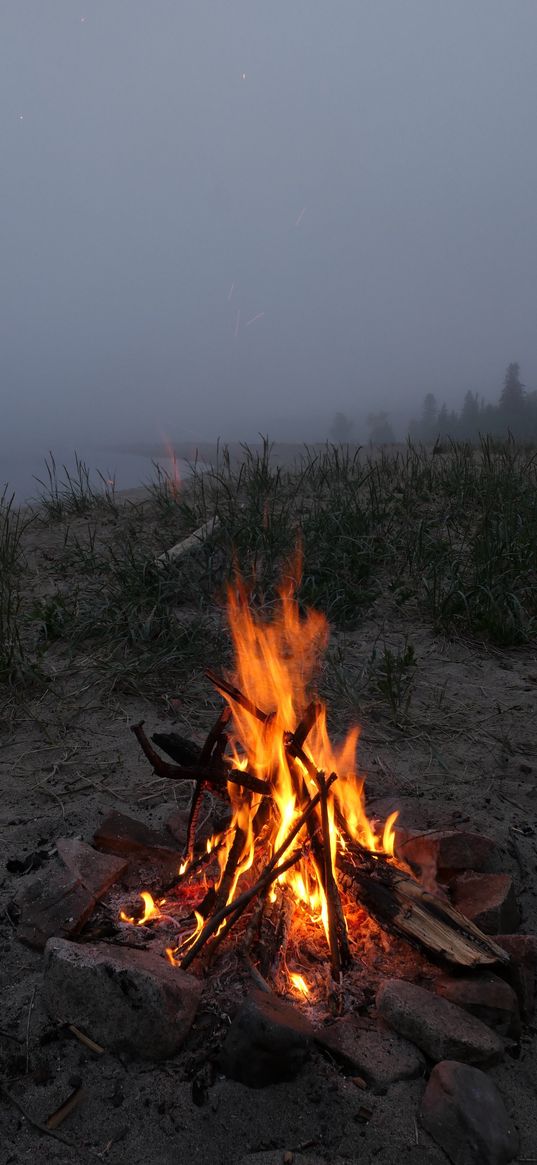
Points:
x=299, y=983
x=275, y=665
x=151, y=910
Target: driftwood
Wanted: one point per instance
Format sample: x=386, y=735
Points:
x=187, y=544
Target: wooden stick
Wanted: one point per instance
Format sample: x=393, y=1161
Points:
x=265, y=880
x=330, y=887
x=57, y=1118
x=224, y=889
x=187, y=544
x=217, y=777
x=234, y=909
x=225, y=688
x=84, y=1039
x=303, y=729
x=195, y=805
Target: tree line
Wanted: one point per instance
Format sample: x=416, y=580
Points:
x=515, y=414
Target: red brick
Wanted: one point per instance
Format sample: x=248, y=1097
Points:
x=446, y=849
x=488, y=900
x=119, y=834
x=487, y=996
x=96, y=871
x=522, y=971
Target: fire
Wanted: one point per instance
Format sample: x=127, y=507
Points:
x=173, y=477
x=299, y=983
x=151, y=910
x=278, y=735
x=275, y=663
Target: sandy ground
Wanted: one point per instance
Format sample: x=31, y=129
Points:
x=68, y=757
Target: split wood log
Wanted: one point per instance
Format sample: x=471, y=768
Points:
x=400, y=904
x=193, y=542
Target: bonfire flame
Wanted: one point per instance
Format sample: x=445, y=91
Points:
x=275, y=665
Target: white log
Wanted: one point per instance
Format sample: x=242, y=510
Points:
x=191, y=543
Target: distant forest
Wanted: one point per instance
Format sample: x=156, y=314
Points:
x=515, y=414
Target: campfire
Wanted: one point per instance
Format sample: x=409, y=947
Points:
x=298, y=855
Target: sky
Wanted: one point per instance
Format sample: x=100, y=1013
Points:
x=226, y=216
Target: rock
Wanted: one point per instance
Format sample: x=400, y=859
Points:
x=464, y=1113
x=522, y=949
x=268, y=1041
x=441, y=1029
x=126, y=1000
x=55, y=903
x=486, y=996
x=96, y=871
x=378, y=1055
x=445, y=849
x=119, y=834
x=488, y=900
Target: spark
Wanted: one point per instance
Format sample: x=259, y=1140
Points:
x=237, y=323
x=244, y=76
x=230, y=292
x=300, y=217
x=259, y=316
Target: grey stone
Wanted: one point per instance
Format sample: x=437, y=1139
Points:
x=378, y=1055
x=441, y=1029
x=464, y=1113
x=126, y=1000
x=486, y=996
x=268, y=1041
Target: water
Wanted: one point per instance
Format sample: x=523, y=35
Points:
x=18, y=471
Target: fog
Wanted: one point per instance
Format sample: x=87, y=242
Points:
x=226, y=216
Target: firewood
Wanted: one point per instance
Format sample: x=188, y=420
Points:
x=400, y=904
x=212, y=776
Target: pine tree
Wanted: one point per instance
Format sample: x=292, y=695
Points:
x=381, y=429
x=513, y=400
x=429, y=418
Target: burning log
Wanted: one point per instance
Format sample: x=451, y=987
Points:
x=271, y=873
x=337, y=929
x=400, y=904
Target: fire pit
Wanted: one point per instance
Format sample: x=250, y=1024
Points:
x=298, y=866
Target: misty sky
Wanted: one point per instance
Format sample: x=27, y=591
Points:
x=360, y=175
